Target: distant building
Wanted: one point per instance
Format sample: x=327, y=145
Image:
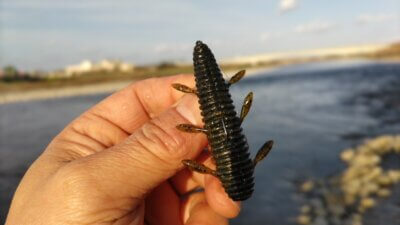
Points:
x=126, y=67
x=107, y=65
x=84, y=67
x=104, y=65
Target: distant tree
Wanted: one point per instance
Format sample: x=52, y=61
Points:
x=10, y=72
x=165, y=65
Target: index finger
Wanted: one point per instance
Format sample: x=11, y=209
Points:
x=116, y=117
x=134, y=105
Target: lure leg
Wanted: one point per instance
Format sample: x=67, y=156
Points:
x=184, y=88
x=264, y=150
x=239, y=75
x=189, y=128
x=197, y=167
x=246, y=106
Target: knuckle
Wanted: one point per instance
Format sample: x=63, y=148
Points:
x=163, y=140
x=147, y=81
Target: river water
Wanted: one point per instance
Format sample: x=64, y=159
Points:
x=311, y=111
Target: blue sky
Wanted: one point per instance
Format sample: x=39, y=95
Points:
x=49, y=34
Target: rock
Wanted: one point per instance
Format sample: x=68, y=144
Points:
x=350, y=175
x=356, y=223
x=352, y=187
x=318, y=207
x=336, y=210
x=347, y=155
x=357, y=217
x=349, y=199
x=320, y=221
x=305, y=209
x=361, y=160
x=367, y=203
x=307, y=186
x=304, y=219
x=396, y=144
x=394, y=175
x=316, y=203
x=385, y=180
x=368, y=189
x=320, y=212
x=384, y=192
x=382, y=144
x=374, y=173
x=374, y=159
x=355, y=188
x=336, y=220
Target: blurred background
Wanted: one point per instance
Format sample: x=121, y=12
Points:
x=326, y=78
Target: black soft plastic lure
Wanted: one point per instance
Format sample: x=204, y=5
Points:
x=229, y=147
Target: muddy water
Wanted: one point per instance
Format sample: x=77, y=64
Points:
x=311, y=111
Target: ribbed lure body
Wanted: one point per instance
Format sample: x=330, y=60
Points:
x=228, y=144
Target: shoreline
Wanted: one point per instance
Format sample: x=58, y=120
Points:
x=108, y=87
x=90, y=89
x=40, y=94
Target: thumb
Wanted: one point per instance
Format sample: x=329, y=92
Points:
x=151, y=155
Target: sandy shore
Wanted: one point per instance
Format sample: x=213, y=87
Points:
x=61, y=92
x=22, y=96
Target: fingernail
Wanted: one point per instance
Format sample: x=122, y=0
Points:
x=187, y=108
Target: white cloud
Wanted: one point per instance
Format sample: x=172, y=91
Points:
x=268, y=36
x=374, y=18
x=314, y=27
x=287, y=5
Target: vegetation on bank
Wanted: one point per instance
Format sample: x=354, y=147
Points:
x=16, y=81
x=11, y=74
x=390, y=52
x=12, y=80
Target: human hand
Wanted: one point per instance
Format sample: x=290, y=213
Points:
x=120, y=163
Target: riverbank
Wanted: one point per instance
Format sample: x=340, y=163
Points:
x=101, y=82
x=87, y=89
x=21, y=96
